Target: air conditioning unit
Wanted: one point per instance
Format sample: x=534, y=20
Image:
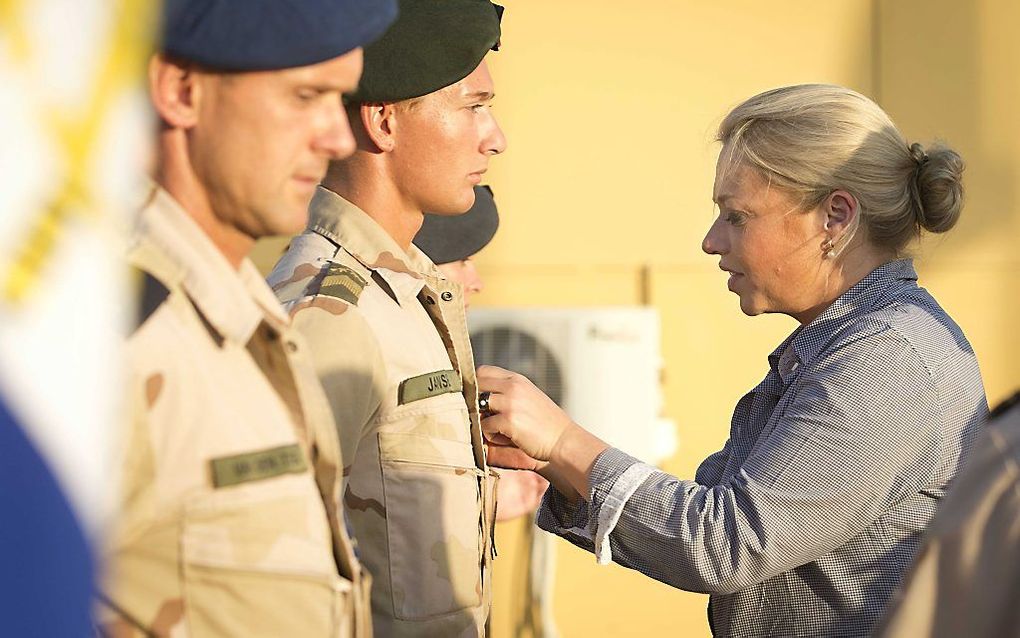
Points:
x=602, y=365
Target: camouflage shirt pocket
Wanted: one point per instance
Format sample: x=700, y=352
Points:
x=256, y=560
x=433, y=493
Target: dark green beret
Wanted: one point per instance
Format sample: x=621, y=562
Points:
x=260, y=35
x=433, y=44
x=449, y=238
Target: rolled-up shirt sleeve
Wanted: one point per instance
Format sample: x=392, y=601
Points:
x=861, y=431
x=566, y=518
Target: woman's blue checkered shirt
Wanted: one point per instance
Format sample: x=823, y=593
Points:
x=804, y=523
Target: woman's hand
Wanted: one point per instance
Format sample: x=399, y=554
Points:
x=518, y=493
x=528, y=431
x=523, y=415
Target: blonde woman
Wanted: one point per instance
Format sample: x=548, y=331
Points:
x=803, y=524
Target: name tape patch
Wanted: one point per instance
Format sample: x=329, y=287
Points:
x=428, y=385
x=256, y=466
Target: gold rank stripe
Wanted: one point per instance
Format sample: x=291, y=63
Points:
x=256, y=466
x=428, y=385
x=343, y=283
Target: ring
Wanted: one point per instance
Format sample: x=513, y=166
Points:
x=483, y=404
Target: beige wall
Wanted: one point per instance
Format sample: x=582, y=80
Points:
x=951, y=70
x=610, y=108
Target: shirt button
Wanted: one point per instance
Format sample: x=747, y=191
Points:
x=447, y=296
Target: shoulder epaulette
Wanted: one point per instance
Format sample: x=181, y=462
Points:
x=342, y=282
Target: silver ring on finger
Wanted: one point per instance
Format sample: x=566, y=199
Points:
x=483, y=404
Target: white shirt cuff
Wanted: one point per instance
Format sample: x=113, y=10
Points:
x=609, y=514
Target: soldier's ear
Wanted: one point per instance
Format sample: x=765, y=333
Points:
x=174, y=91
x=380, y=125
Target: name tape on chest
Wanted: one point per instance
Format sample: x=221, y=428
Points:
x=343, y=283
x=256, y=466
x=428, y=385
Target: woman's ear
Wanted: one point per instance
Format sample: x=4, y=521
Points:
x=174, y=91
x=841, y=211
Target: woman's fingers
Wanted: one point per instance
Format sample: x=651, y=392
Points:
x=512, y=458
x=500, y=430
x=505, y=392
x=520, y=492
x=493, y=372
x=498, y=439
x=520, y=411
x=498, y=401
x=495, y=385
x=496, y=428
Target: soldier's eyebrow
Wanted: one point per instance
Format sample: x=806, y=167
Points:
x=329, y=86
x=480, y=96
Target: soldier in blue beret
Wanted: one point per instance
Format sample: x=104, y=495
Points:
x=387, y=330
x=230, y=520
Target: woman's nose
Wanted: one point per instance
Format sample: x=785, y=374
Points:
x=714, y=241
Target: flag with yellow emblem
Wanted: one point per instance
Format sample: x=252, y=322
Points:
x=75, y=123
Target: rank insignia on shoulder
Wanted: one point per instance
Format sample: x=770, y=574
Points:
x=343, y=283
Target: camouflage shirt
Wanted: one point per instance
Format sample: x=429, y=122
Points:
x=229, y=515
x=389, y=341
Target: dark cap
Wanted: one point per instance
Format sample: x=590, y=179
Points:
x=261, y=35
x=449, y=238
x=433, y=44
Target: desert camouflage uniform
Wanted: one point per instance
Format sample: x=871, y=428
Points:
x=229, y=522
x=390, y=343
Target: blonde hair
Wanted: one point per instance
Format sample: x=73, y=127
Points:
x=812, y=139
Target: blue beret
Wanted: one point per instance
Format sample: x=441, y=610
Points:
x=259, y=35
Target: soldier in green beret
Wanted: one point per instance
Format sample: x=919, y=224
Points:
x=387, y=331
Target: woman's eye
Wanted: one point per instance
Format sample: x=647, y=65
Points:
x=735, y=218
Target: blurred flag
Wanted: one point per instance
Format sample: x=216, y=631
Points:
x=74, y=125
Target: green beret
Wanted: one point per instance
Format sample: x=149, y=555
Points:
x=433, y=44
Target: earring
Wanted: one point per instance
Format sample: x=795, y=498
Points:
x=827, y=246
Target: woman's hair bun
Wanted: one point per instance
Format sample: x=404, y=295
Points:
x=938, y=187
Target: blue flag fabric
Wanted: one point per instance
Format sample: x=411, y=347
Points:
x=46, y=567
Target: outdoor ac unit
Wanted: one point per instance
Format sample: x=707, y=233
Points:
x=602, y=365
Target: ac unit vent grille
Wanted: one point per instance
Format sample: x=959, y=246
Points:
x=514, y=349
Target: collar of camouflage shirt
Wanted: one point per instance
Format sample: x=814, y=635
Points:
x=344, y=224
x=233, y=302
